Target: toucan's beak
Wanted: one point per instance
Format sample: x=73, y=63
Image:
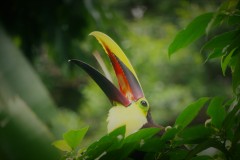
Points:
x=129, y=86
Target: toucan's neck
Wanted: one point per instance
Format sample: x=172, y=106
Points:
x=132, y=117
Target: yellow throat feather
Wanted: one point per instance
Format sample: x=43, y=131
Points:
x=132, y=117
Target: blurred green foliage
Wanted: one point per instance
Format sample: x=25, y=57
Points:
x=38, y=38
x=214, y=138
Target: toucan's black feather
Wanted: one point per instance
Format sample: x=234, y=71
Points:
x=108, y=88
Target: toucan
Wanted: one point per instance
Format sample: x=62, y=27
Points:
x=130, y=107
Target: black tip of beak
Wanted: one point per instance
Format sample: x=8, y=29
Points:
x=108, y=88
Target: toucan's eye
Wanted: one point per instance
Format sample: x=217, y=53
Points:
x=144, y=103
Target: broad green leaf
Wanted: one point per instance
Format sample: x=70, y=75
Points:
x=131, y=143
x=118, y=131
x=236, y=154
x=190, y=112
x=220, y=41
x=234, y=19
x=24, y=81
x=216, y=111
x=194, y=134
x=152, y=155
x=96, y=149
x=170, y=134
x=119, y=135
x=218, y=18
x=74, y=137
x=226, y=60
x=124, y=151
x=214, y=54
x=230, y=119
x=142, y=134
x=177, y=154
x=62, y=145
x=107, y=143
x=153, y=145
x=202, y=158
x=205, y=144
x=222, y=15
x=191, y=33
x=236, y=75
x=229, y=5
x=116, y=134
x=235, y=43
x=23, y=135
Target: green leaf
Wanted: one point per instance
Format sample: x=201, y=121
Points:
x=109, y=142
x=62, y=145
x=229, y=5
x=153, y=145
x=19, y=79
x=207, y=143
x=236, y=75
x=130, y=143
x=194, y=135
x=119, y=131
x=220, y=41
x=142, y=134
x=218, y=18
x=170, y=134
x=223, y=14
x=136, y=140
x=22, y=132
x=27, y=112
x=214, y=54
x=202, y=158
x=226, y=60
x=74, y=137
x=192, y=32
x=230, y=119
x=216, y=111
x=234, y=19
x=177, y=154
x=119, y=135
x=190, y=113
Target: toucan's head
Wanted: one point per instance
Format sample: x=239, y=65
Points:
x=130, y=105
